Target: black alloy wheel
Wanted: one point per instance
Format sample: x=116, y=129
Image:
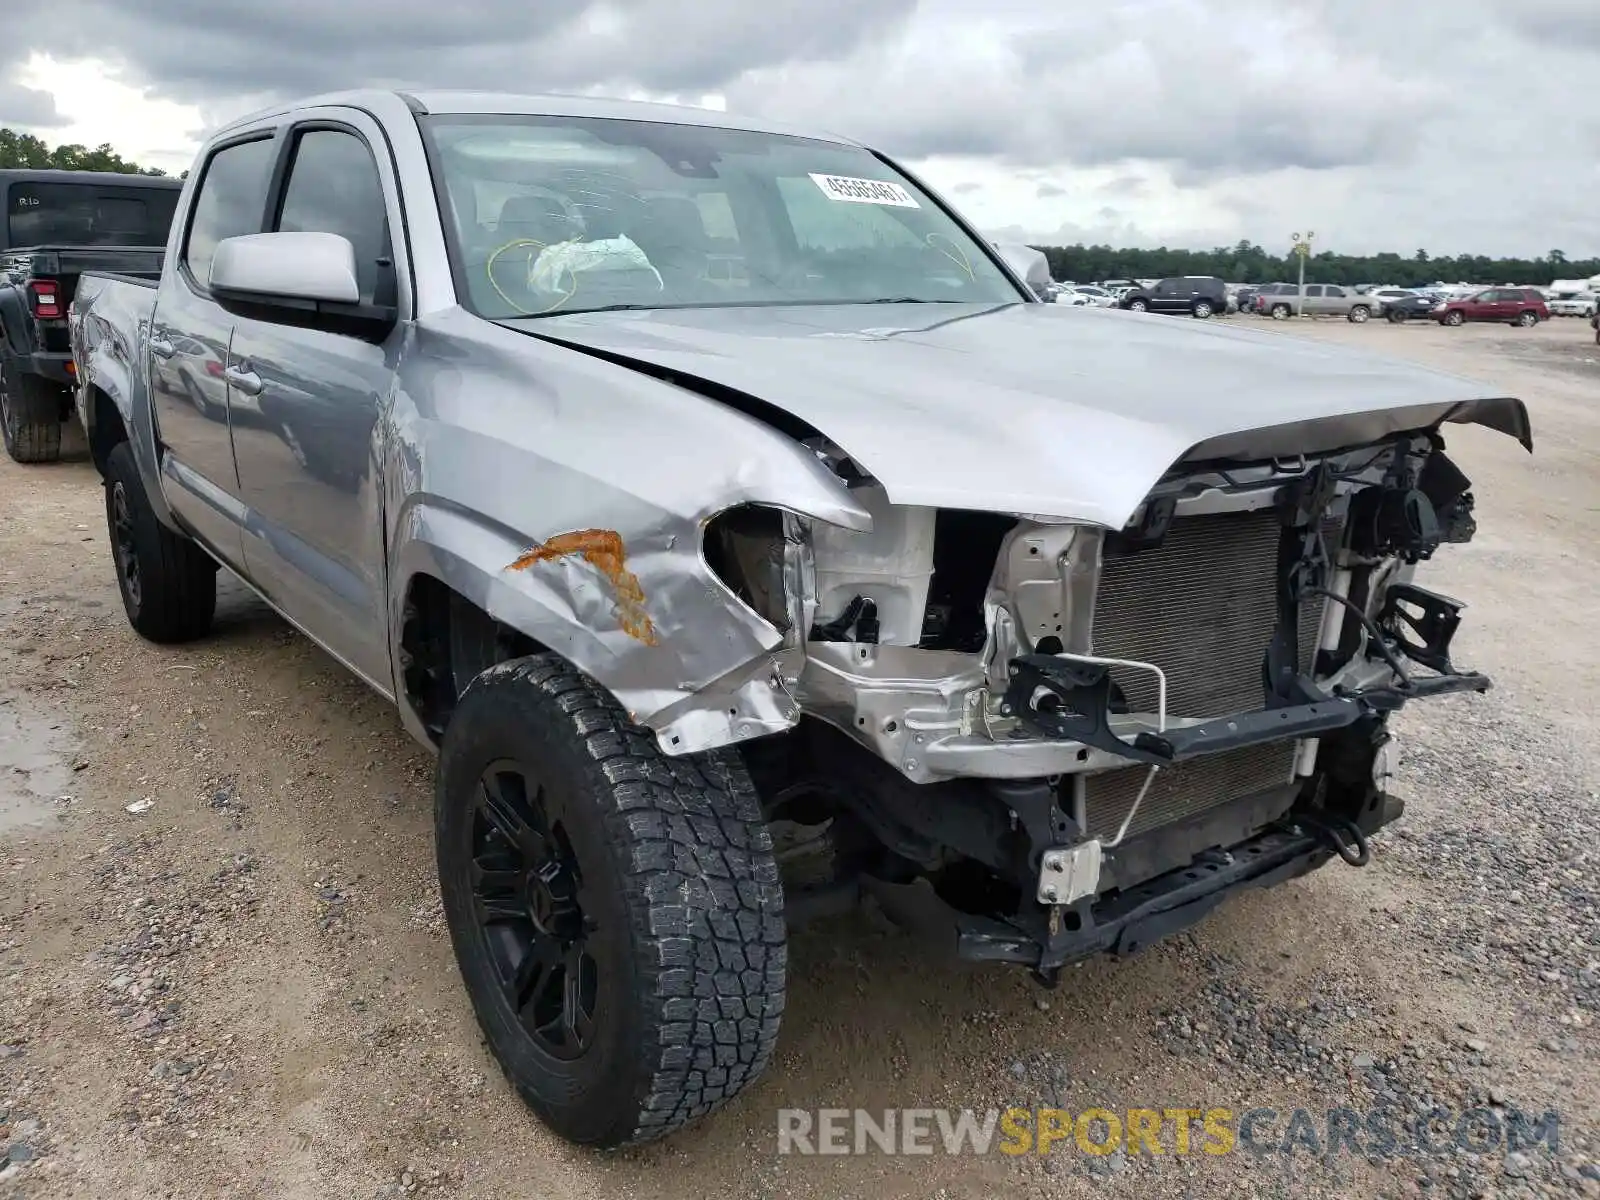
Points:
x=528, y=897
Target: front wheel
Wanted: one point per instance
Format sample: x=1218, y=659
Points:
x=1398, y=316
x=616, y=914
x=168, y=584
x=1359, y=314
x=1454, y=317
x=1528, y=319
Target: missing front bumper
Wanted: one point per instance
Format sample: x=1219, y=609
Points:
x=1126, y=921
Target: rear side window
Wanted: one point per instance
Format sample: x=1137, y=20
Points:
x=87, y=214
x=334, y=187
x=232, y=201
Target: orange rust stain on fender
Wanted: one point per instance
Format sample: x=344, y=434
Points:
x=601, y=549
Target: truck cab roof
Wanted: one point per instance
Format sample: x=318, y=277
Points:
x=440, y=102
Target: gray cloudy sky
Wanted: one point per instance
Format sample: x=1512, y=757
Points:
x=1459, y=126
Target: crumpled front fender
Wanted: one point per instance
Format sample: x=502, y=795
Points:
x=568, y=500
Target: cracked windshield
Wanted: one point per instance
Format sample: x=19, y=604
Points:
x=564, y=215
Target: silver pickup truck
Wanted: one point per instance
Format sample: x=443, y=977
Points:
x=1320, y=300
x=728, y=596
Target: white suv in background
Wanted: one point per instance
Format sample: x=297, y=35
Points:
x=1576, y=304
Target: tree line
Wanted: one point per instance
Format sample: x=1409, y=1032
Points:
x=28, y=152
x=1250, y=263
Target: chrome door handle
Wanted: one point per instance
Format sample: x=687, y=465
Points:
x=247, y=382
x=162, y=348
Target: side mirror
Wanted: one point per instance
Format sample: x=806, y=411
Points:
x=303, y=279
x=320, y=267
x=1027, y=262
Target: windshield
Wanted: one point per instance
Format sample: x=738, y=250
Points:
x=572, y=214
x=87, y=214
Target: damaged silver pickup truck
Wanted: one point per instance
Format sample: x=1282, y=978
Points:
x=746, y=537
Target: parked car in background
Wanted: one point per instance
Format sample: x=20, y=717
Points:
x=1412, y=307
x=1320, y=300
x=1576, y=304
x=1513, y=306
x=1098, y=296
x=1382, y=297
x=54, y=225
x=1199, y=296
x=1119, y=286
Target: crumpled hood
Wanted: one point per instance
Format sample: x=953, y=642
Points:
x=1035, y=408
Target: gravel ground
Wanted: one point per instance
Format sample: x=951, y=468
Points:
x=223, y=970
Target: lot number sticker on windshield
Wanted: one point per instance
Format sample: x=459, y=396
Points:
x=864, y=191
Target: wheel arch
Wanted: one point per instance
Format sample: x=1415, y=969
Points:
x=695, y=664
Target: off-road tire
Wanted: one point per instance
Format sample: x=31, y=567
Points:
x=168, y=584
x=687, y=931
x=30, y=415
x=1359, y=314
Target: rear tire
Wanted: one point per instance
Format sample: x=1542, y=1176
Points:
x=30, y=415
x=1203, y=310
x=1528, y=320
x=617, y=915
x=168, y=584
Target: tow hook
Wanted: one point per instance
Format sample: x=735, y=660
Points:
x=1343, y=837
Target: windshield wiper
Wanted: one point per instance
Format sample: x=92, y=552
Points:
x=903, y=300
x=572, y=312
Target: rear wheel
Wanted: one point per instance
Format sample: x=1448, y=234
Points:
x=616, y=914
x=168, y=584
x=30, y=415
x=1528, y=319
x=1203, y=309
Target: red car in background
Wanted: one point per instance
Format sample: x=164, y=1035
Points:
x=1514, y=305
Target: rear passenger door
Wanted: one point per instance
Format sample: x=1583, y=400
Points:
x=308, y=401
x=188, y=346
x=1169, y=296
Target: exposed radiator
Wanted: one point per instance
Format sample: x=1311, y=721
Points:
x=1183, y=790
x=1202, y=606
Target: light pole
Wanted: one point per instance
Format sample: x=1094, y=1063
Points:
x=1302, y=250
